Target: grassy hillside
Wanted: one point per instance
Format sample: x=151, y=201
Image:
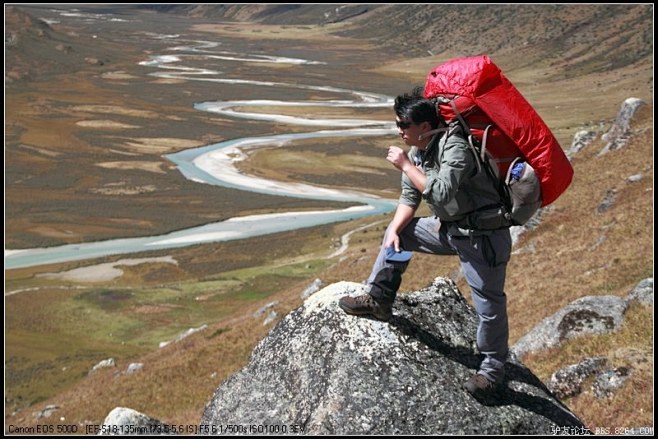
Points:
x=575, y=64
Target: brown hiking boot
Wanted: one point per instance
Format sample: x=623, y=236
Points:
x=479, y=386
x=366, y=304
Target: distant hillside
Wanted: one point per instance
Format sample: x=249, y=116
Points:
x=575, y=39
x=34, y=49
x=25, y=36
x=587, y=38
x=290, y=14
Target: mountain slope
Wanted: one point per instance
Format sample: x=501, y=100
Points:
x=584, y=38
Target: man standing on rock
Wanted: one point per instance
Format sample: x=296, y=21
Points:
x=442, y=169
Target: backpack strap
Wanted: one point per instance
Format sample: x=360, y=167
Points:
x=488, y=163
x=459, y=116
x=478, y=160
x=485, y=134
x=483, y=146
x=433, y=132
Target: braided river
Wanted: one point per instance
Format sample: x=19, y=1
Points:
x=215, y=164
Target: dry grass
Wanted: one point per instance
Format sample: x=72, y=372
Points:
x=580, y=252
x=289, y=33
x=632, y=348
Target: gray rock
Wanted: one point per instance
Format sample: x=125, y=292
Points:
x=531, y=224
x=321, y=371
x=590, y=315
x=271, y=316
x=103, y=364
x=264, y=309
x=610, y=381
x=530, y=248
x=123, y=421
x=607, y=202
x=581, y=140
x=134, y=367
x=568, y=381
x=620, y=131
x=643, y=292
x=46, y=412
x=184, y=335
x=312, y=289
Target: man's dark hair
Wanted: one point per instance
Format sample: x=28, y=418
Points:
x=416, y=108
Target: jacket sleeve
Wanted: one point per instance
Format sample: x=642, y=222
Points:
x=410, y=196
x=456, y=163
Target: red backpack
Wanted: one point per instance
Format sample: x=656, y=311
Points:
x=505, y=129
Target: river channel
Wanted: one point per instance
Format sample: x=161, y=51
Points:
x=215, y=164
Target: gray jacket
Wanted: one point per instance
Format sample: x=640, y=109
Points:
x=457, y=189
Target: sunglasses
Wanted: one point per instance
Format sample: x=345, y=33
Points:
x=403, y=125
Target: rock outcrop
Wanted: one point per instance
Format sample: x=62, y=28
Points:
x=321, y=371
x=590, y=315
x=620, y=131
x=124, y=421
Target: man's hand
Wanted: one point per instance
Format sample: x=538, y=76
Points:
x=398, y=158
x=392, y=240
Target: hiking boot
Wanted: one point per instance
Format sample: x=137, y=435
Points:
x=479, y=386
x=366, y=304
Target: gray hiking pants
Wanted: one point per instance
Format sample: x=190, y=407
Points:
x=483, y=260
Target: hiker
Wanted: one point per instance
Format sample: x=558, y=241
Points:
x=441, y=169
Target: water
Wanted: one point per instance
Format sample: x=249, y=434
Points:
x=213, y=164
